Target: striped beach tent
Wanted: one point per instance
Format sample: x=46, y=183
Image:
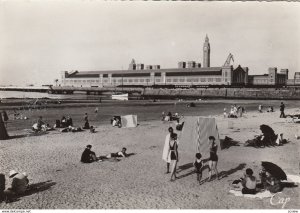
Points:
x=195, y=133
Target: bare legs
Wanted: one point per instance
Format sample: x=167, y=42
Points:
x=168, y=168
x=213, y=166
x=174, y=164
x=199, y=175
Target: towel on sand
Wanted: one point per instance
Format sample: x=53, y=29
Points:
x=293, y=178
x=265, y=194
x=166, y=151
x=260, y=195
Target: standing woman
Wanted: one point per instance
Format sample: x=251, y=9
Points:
x=3, y=132
x=173, y=154
x=213, y=159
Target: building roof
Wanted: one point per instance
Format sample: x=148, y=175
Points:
x=174, y=71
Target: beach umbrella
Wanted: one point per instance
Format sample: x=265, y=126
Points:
x=274, y=170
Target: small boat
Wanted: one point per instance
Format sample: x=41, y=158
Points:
x=122, y=97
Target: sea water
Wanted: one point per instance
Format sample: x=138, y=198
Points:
x=20, y=94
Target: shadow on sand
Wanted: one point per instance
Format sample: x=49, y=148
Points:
x=223, y=174
x=191, y=172
x=34, y=188
x=27, y=135
x=228, y=142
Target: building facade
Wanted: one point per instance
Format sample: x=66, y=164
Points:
x=272, y=78
x=186, y=74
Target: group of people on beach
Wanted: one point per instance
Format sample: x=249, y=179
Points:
x=89, y=156
x=249, y=184
x=66, y=125
x=170, y=155
x=235, y=111
x=64, y=122
x=271, y=109
x=170, y=117
x=116, y=121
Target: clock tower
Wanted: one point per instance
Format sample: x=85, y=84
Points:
x=206, y=53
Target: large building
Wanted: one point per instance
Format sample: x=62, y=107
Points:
x=272, y=78
x=187, y=73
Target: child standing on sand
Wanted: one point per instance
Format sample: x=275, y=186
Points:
x=198, y=164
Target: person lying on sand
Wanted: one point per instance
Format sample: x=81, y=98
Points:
x=121, y=154
x=71, y=129
x=88, y=156
x=19, y=185
x=247, y=184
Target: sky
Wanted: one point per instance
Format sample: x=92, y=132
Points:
x=39, y=39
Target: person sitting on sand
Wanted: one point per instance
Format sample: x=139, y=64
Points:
x=86, y=125
x=121, y=154
x=40, y=123
x=260, y=108
x=18, y=187
x=88, y=156
x=232, y=113
x=92, y=129
x=247, y=184
x=179, y=125
x=69, y=121
x=198, y=164
x=168, y=116
x=269, y=182
x=116, y=122
x=163, y=115
x=225, y=113
x=63, y=122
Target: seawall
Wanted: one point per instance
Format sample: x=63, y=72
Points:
x=226, y=93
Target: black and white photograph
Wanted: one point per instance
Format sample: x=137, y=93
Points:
x=149, y=105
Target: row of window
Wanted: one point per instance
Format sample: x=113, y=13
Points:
x=191, y=80
x=147, y=80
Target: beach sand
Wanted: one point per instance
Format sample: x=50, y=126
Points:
x=53, y=161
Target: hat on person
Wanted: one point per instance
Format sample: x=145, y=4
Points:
x=12, y=173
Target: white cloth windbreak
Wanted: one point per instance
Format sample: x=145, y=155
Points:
x=195, y=134
x=129, y=121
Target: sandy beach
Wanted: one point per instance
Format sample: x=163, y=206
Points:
x=52, y=161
